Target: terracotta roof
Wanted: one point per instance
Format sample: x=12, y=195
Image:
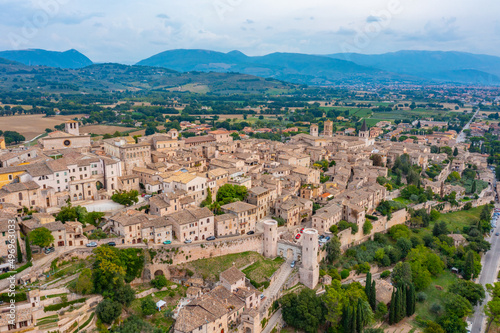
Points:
x=232, y=275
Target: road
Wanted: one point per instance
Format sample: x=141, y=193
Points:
x=488, y=276
x=461, y=135
x=272, y=321
x=276, y=286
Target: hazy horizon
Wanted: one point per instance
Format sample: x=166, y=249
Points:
x=127, y=32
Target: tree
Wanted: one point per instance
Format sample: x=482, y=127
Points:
x=108, y=271
x=373, y=296
x=334, y=302
x=332, y=250
x=381, y=311
x=440, y=228
x=469, y=266
x=148, y=306
x=433, y=327
x=405, y=245
x=492, y=311
x=208, y=200
x=367, y=227
x=473, y=292
x=458, y=305
x=124, y=295
x=304, y=311
x=401, y=274
x=452, y=324
x=159, y=282
x=455, y=151
x=135, y=324
x=41, y=237
x=28, y=247
x=107, y=311
x=126, y=198
x=19, y=252
x=84, y=284
x=230, y=193
x=150, y=130
x=474, y=187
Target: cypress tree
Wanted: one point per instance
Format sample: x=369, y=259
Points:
x=346, y=320
x=28, y=248
x=373, y=296
x=359, y=319
x=399, y=305
x=354, y=325
x=19, y=253
x=368, y=284
x=469, y=265
x=392, y=309
x=411, y=299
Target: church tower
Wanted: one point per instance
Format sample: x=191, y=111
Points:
x=72, y=127
x=364, y=133
x=328, y=130
x=314, y=130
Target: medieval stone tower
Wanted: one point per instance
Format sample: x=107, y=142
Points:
x=309, y=272
x=270, y=239
x=364, y=133
x=72, y=127
x=328, y=129
x=314, y=130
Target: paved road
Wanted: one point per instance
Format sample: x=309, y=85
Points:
x=488, y=276
x=461, y=135
x=276, y=286
x=272, y=321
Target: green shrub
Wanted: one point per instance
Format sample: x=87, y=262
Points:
x=19, y=270
x=59, y=306
x=344, y=274
x=385, y=274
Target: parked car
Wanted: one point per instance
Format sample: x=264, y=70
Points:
x=211, y=238
x=251, y=232
x=187, y=241
x=49, y=250
x=321, y=237
x=327, y=238
x=167, y=242
x=497, y=234
x=261, y=296
x=302, y=230
x=92, y=244
x=292, y=264
x=111, y=243
x=298, y=236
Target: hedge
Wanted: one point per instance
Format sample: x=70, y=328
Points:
x=82, y=326
x=55, y=307
x=19, y=270
x=371, y=217
x=19, y=297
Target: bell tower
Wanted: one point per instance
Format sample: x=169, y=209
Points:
x=72, y=127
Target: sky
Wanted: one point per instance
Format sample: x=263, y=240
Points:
x=128, y=31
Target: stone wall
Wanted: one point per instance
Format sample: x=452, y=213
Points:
x=381, y=225
x=175, y=255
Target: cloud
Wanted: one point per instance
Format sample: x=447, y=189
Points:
x=248, y=21
x=163, y=16
x=372, y=18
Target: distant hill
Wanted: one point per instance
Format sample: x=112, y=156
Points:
x=292, y=67
x=433, y=65
x=116, y=77
x=36, y=57
x=349, y=68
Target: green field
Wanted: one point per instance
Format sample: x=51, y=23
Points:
x=261, y=270
x=212, y=267
x=457, y=220
x=435, y=295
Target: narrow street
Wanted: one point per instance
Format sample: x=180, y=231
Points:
x=488, y=275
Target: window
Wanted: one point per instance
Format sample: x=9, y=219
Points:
x=10, y=177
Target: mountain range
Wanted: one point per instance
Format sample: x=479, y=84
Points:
x=425, y=67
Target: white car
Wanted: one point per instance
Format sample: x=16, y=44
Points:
x=92, y=244
x=187, y=241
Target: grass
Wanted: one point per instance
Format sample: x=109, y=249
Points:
x=260, y=271
x=435, y=295
x=457, y=220
x=210, y=268
x=402, y=200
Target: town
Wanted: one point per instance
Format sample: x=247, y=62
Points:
x=203, y=228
